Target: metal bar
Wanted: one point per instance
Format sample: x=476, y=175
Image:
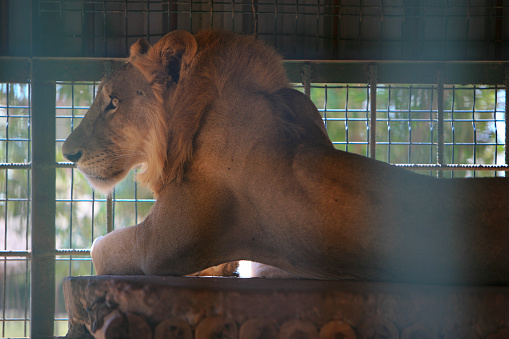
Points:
x=400, y=72
x=254, y=22
x=346, y=118
x=455, y=167
x=10, y=254
x=474, y=128
x=43, y=210
x=325, y=101
x=306, y=78
x=26, y=328
x=17, y=69
x=506, y=85
x=409, y=124
x=4, y=292
x=109, y=213
x=453, y=128
x=28, y=254
x=440, y=118
x=71, y=203
x=372, y=103
x=73, y=252
x=4, y=27
x=15, y=166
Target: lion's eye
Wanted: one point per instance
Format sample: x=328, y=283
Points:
x=114, y=102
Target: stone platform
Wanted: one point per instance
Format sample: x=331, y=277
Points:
x=203, y=308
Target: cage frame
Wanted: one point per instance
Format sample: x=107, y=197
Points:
x=43, y=73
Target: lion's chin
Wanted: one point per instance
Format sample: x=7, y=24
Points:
x=104, y=184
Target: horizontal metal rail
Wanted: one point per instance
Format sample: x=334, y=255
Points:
x=17, y=69
x=15, y=166
x=58, y=252
x=448, y=167
x=455, y=167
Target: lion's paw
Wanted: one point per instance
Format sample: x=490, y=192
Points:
x=95, y=254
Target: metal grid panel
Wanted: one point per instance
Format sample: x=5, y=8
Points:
x=15, y=191
x=317, y=29
x=407, y=130
x=407, y=123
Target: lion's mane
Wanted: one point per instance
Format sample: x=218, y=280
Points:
x=187, y=74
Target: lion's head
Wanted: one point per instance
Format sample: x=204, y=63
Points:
x=149, y=111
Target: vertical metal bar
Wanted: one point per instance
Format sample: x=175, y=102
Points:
x=506, y=85
x=35, y=30
x=191, y=15
x=105, y=31
x=109, y=200
x=410, y=125
x=135, y=199
x=4, y=27
x=474, y=128
x=372, y=102
x=109, y=213
x=126, y=25
x=453, y=130
x=325, y=106
x=432, y=157
x=275, y=22
x=336, y=22
x=254, y=8
x=381, y=32
x=87, y=29
x=296, y=26
x=211, y=13
x=499, y=29
x=440, y=111
x=71, y=202
x=148, y=19
x=4, y=292
x=346, y=117
x=93, y=225
x=43, y=210
x=233, y=15
x=27, y=238
x=317, y=36
x=307, y=71
x=389, y=134
x=495, y=106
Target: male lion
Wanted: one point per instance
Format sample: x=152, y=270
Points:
x=243, y=169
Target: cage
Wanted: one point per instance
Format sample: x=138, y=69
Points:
x=418, y=84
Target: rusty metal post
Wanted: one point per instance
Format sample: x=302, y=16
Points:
x=43, y=210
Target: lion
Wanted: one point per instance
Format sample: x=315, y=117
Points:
x=242, y=169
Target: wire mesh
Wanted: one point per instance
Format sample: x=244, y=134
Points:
x=406, y=133
x=15, y=197
x=407, y=123
x=311, y=29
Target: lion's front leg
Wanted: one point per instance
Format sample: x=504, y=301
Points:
x=118, y=252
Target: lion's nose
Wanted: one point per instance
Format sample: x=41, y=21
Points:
x=73, y=157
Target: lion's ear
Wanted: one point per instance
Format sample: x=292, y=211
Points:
x=140, y=47
x=176, y=51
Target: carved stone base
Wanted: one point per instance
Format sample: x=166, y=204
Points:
x=202, y=308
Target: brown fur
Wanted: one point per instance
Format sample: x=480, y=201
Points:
x=243, y=169
x=212, y=76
